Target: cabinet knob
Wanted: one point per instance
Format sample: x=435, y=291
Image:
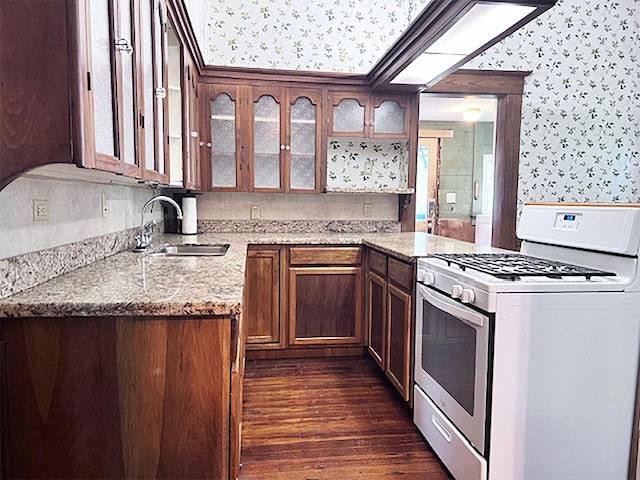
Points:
x=209, y=144
x=160, y=92
x=194, y=134
x=123, y=45
x=201, y=144
x=281, y=147
x=288, y=147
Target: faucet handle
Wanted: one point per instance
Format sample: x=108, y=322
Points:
x=148, y=227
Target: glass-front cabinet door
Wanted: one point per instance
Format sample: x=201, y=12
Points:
x=349, y=116
x=268, y=143
x=303, y=146
x=222, y=141
x=390, y=119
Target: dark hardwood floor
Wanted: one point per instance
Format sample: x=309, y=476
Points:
x=333, y=418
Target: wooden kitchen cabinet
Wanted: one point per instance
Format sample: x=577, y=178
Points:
x=263, y=298
x=325, y=296
x=390, y=318
x=121, y=397
x=262, y=138
x=95, y=90
x=360, y=114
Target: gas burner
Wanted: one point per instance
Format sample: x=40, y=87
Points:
x=511, y=266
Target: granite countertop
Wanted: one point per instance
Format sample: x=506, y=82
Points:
x=131, y=284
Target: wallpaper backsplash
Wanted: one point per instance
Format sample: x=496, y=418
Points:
x=319, y=35
x=580, y=136
x=355, y=163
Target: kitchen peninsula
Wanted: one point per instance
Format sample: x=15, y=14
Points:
x=157, y=345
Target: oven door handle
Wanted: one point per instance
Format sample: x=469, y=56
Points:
x=451, y=307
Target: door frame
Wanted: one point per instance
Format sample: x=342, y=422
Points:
x=507, y=87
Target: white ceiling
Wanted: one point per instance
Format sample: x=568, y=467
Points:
x=438, y=107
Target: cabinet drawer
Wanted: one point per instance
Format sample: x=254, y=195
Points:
x=401, y=274
x=325, y=255
x=378, y=262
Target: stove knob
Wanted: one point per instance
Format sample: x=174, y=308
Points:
x=468, y=296
x=428, y=278
x=456, y=291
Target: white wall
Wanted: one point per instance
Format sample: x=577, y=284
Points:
x=274, y=206
x=75, y=212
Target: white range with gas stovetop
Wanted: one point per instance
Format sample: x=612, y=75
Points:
x=526, y=364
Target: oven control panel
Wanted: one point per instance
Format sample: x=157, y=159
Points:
x=568, y=221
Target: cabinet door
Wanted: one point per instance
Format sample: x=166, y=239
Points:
x=325, y=305
x=349, y=116
x=390, y=117
x=150, y=107
x=262, y=297
x=303, y=146
x=398, y=353
x=192, y=174
x=268, y=142
x=102, y=128
x=220, y=139
x=377, y=325
x=175, y=106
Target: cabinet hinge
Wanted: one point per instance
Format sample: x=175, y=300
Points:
x=89, y=81
x=141, y=120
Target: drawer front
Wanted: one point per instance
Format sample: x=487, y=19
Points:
x=401, y=274
x=453, y=449
x=378, y=262
x=325, y=255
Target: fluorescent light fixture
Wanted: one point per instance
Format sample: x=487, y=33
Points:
x=478, y=26
x=426, y=66
x=471, y=114
x=482, y=23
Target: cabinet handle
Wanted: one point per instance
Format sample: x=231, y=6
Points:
x=123, y=45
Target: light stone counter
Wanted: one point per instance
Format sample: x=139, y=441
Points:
x=131, y=284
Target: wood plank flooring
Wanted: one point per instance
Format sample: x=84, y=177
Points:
x=328, y=418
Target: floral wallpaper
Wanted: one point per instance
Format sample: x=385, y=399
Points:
x=367, y=164
x=580, y=137
x=333, y=36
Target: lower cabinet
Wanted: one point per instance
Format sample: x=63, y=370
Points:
x=303, y=296
x=325, y=306
x=119, y=397
x=263, y=302
x=389, y=318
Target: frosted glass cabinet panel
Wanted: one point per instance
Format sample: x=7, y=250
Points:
x=102, y=70
x=148, y=97
x=349, y=116
x=223, y=142
x=303, y=144
x=266, y=143
x=389, y=117
x=359, y=114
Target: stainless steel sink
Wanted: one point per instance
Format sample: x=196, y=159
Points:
x=196, y=250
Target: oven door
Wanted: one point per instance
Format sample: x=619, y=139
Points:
x=452, y=349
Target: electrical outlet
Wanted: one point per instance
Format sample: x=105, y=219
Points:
x=450, y=197
x=255, y=212
x=40, y=210
x=105, y=210
x=367, y=209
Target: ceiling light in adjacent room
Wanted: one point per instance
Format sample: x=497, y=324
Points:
x=471, y=114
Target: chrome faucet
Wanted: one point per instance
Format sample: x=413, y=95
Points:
x=143, y=241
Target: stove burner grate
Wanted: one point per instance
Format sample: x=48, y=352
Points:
x=511, y=266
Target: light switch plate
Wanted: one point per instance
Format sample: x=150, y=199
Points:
x=450, y=197
x=105, y=210
x=40, y=210
x=255, y=212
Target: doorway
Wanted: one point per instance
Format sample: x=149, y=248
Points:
x=455, y=167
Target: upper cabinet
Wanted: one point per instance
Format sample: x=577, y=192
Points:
x=262, y=139
x=356, y=114
x=104, y=84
